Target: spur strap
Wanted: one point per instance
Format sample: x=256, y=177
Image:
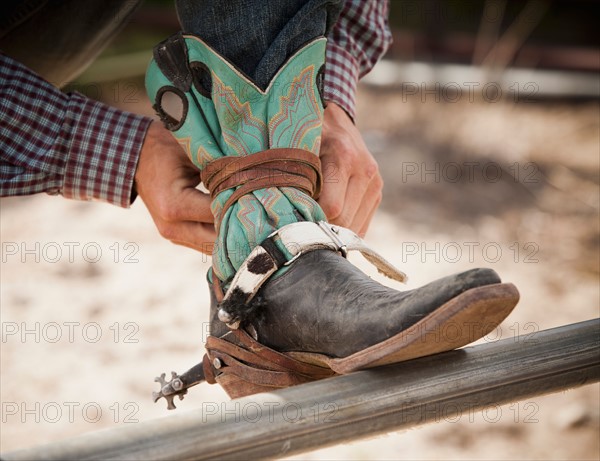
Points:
x=240, y=355
x=298, y=239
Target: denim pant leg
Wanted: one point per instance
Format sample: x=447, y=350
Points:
x=258, y=35
x=58, y=39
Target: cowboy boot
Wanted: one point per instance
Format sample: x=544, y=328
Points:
x=286, y=305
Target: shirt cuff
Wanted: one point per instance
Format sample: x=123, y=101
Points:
x=341, y=78
x=103, y=148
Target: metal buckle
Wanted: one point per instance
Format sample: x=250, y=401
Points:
x=275, y=232
x=293, y=258
x=332, y=232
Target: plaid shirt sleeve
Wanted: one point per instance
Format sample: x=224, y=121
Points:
x=358, y=40
x=64, y=143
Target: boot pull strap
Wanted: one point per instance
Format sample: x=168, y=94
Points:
x=280, y=167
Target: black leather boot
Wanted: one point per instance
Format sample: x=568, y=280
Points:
x=325, y=305
x=323, y=316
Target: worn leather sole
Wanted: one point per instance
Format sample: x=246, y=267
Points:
x=462, y=320
x=247, y=367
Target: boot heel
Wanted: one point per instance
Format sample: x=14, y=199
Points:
x=236, y=387
x=242, y=366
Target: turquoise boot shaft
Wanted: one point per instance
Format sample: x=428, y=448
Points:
x=224, y=114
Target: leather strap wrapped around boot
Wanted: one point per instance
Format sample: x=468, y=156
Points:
x=242, y=366
x=281, y=167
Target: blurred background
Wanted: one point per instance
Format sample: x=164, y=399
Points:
x=484, y=119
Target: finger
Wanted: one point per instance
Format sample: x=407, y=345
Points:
x=365, y=226
x=370, y=202
x=335, y=184
x=198, y=236
x=355, y=193
x=193, y=206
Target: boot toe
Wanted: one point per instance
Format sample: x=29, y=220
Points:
x=478, y=277
x=426, y=299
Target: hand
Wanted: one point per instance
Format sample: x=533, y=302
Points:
x=352, y=185
x=166, y=181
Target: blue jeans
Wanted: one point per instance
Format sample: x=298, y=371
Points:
x=58, y=39
x=257, y=35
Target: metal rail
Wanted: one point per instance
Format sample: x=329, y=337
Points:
x=351, y=407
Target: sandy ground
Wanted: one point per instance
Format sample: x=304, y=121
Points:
x=95, y=304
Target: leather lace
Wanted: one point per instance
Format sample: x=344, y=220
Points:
x=280, y=167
